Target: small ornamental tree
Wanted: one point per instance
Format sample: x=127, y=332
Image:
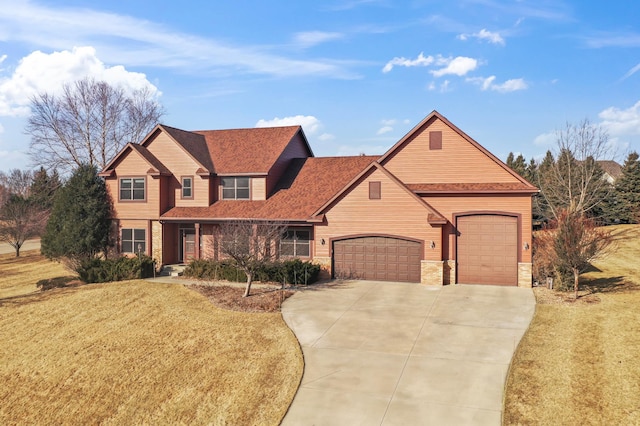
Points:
x=250, y=244
x=78, y=228
x=20, y=220
x=577, y=241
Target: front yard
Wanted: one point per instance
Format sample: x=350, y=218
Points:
x=579, y=363
x=136, y=352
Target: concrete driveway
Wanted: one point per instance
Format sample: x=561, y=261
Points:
x=379, y=353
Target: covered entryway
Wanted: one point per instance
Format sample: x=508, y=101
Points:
x=487, y=249
x=377, y=258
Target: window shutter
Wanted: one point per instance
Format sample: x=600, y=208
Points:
x=375, y=191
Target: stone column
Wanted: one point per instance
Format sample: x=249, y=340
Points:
x=432, y=272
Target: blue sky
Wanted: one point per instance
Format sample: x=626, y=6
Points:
x=357, y=74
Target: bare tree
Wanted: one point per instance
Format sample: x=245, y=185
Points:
x=17, y=182
x=88, y=123
x=250, y=244
x=573, y=180
x=20, y=220
x=578, y=241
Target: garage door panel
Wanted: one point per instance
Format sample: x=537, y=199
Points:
x=487, y=247
x=386, y=259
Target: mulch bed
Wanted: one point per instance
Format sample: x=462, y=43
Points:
x=260, y=299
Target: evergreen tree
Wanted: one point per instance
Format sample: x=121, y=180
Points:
x=627, y=190
x=43, y=189
x=520, y=165
x=78, y=228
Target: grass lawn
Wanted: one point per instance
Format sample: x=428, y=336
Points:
x=136, y=352
x=579, y=363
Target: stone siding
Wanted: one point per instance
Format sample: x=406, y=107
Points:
x=156, y=242
x=432, y=272
x=524, y=275
x=325, y=267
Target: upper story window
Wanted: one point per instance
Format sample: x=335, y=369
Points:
x=295, y=243
x=235, y=188
x=187, y=187
x=132, y=189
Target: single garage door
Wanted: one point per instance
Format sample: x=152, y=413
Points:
x=487, y=250
x=377, y=258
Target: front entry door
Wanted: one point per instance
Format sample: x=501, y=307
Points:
x=188, y=244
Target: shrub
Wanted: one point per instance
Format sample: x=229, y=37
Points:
x=123, y=268
x=292, y=271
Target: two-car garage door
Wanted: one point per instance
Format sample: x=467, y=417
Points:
x=487, y=249
x=377, y=258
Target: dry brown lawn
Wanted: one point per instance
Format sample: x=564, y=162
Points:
x=579, y=363
x=136, y=353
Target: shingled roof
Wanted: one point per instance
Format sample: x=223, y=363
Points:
x=305, y=186
x=247, y=151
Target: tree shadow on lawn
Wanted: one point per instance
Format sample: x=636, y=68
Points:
x=609, y=285
x=63, y=285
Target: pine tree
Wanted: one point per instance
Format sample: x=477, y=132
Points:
x=43, y=188
x=78, y=228
x=627, y=190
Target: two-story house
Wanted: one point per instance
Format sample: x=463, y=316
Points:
x=436, y=208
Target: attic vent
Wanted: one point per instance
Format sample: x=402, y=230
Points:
x=435, y=140
x=374, y=191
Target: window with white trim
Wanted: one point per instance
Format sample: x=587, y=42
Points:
x=132, y=189
x=295, y=243
x=235, y=188
x=187, y=187
x=133, y=240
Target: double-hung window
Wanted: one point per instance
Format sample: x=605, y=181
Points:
x=295, y=243
x=134, y=240
x=235, y=188
x=187, y=187
x=132, y=189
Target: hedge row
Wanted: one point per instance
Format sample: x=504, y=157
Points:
x=122, y=268
x=292, y=271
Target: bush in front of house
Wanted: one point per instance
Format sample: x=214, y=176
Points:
x=292, y=271
x=123, y=268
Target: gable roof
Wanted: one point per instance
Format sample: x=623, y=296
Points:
x=611, y=168
x=157, y=168
x=436, y=115
x=193, y=144
x=248, y=151
x=434, y=217
x=304, y=186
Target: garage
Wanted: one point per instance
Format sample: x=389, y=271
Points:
x=487, y=249
x=377, y=258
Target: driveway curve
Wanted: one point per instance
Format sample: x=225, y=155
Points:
x=380, y=353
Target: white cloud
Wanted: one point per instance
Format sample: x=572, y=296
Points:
x=631, y=72
x=39, y=72
x=326, y=137
x=460, y=66
x=384, y=129
x=309, y=123
x=420, y=61
x=313, y=38
x=127, y=40
x=545, y=139
x=508, y=86
x=621, y=121
x=483, y=34
x=389, y=122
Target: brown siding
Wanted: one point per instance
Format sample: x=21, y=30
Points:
x=396, y=214
x=516, y=204
x=457, y=162
x=134, y=166
x=297, y=148
x=180, y=164
x=258, y=188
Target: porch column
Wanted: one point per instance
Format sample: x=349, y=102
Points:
x=197, y=242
